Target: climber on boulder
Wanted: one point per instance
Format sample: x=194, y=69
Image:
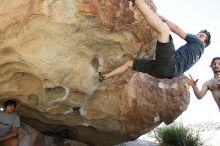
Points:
x=212, y=85
x=168, y=63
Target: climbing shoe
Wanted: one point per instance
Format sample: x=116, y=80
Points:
x=101, y=77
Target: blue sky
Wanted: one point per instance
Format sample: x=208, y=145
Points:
x=192, y=16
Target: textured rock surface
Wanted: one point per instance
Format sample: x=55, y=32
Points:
x=51, y=51
x=30, y=137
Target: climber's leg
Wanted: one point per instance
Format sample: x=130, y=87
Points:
x=154, y=21
x=128, y=64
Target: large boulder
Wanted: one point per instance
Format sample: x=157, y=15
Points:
x=51, y=52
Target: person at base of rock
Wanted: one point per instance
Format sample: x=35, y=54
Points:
x=168, y=63
x=212, y=85
x=9, y=124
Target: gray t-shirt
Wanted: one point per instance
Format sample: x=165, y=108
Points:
x=187, y=55
x=8, y=121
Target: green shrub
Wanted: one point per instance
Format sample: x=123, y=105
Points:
x=177, y=136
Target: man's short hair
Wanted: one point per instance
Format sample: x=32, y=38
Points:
x=208, y=41
x=216, y=58
x=10, y=102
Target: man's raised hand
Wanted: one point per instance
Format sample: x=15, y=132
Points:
x=191, y=81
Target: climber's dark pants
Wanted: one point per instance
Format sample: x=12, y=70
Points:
x=163, y=65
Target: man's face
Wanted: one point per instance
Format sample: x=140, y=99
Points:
x=10, y=109
x=216, y=65
x=202, y=36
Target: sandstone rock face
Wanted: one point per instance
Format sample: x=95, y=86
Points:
x=30, y=137
x=51, y=51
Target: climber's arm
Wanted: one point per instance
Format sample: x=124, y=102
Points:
x=174, y=28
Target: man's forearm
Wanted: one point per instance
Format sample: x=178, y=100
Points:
x=9, y=135
x=174, y=28
x=198, y=93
